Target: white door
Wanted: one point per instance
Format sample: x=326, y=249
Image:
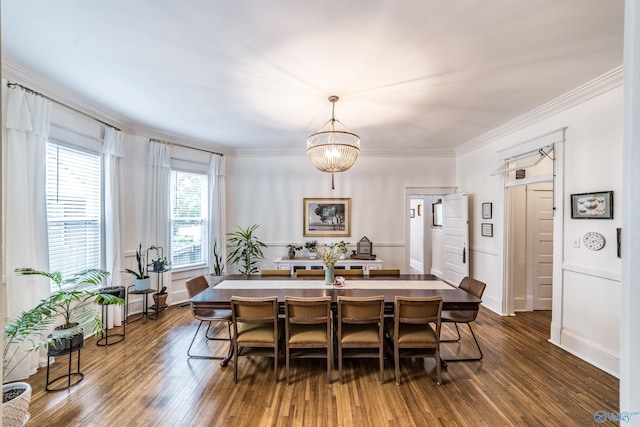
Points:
x=455, y=230
x=540, y=247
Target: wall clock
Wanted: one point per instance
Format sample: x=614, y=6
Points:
x=593, y=241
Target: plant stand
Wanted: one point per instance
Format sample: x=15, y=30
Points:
x=145, y=303
x=75, y=347
x=118, y=291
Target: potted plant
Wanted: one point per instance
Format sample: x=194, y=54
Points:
x=312, y=248
x=247, y=250
x=342, y=248
x=142, y=281
x=29, y=331
x=160, y=298
x=293, y=247
x=218, y=262
x=160, y=264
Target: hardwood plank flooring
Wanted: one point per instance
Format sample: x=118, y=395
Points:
x=148, y=380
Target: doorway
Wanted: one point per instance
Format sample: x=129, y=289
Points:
x=530, y=218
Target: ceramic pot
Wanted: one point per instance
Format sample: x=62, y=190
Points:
x=15, y=412
x=143, y=284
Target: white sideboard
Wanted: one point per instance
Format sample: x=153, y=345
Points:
x=283, y=263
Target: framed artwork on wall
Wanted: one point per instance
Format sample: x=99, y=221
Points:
x=487, y=229
x=592, y=205
x=327, y=217
x=487, y=210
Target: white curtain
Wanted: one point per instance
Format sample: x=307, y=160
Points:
x=113, y=152
x=217, y=207
x=26, y=238
x=156, y=211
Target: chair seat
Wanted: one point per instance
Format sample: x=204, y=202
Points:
x=412, y=333
x=256, y=332
x=360, y=334
x=211, y=314
x=308, y=334
x=458, y=316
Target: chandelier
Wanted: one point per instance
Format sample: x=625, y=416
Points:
x=332, y=148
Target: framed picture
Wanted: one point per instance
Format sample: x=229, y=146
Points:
x=592, y=205
x=327, y=217
x=486, y=211
x=487, y=229
x=412, y=213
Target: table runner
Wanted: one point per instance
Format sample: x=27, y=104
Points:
x=319, y=284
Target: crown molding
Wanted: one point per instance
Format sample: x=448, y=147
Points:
x=587, y=91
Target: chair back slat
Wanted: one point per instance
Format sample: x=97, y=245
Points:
x=391, y=272
x=473, y=286
x=196, y=285
x=284, y=273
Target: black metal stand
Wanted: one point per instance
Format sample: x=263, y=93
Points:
x=145, y=303
x=118, y=291
x=77, y=374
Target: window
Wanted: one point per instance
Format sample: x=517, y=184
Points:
x=189, y=219
x=74, y=209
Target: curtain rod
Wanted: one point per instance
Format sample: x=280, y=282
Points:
x=185, y=146
x=29, y=90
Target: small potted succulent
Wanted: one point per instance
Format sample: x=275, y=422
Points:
x=312, y=248
x=293, y=247
x=160, y=298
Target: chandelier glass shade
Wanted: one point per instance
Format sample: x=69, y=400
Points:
x=333, y=148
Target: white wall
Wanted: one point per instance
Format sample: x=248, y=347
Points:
x=589, y=286
x=270, y=190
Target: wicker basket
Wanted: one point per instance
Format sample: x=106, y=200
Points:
x=15, y=413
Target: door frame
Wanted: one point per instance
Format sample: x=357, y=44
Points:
x=558, y=243
x=410, y=192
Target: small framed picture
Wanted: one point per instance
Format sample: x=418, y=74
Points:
x=486, y=210
x=412, y=213
x=487, y=229
x=592, y=205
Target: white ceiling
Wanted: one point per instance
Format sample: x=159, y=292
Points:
x=421, y=75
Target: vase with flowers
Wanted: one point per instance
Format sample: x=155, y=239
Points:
x=329, y=256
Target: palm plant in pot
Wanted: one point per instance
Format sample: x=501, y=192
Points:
x=142, y=281
x=247, y=250
x=29, y=331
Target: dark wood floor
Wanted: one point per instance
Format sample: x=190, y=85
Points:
x=147, y=380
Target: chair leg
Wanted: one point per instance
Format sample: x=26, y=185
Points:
x=275, y=364
x=396, y=357
x=200, y=356
x=286, y=369
x=339, y=363
x=381, y=357
x=235, y=361
x=472, y=359
x=438, y=368
x=457, y=331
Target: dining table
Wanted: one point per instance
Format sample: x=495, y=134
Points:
x=222, y=288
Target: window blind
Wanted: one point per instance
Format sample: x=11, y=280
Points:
x=74, y=206
x=189, y=219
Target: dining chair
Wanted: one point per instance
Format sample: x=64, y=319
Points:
x=285, y=273
x=391, y=272
x=314, y=272
x=415, y=330
x=256, y=330
x=307, y=330
x=361, y=329
x=475, y=288
x=349, y=273
x=194, y=287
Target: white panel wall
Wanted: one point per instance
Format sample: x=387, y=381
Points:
x=593, y=162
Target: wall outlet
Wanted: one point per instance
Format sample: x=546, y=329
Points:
x=576, y=242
